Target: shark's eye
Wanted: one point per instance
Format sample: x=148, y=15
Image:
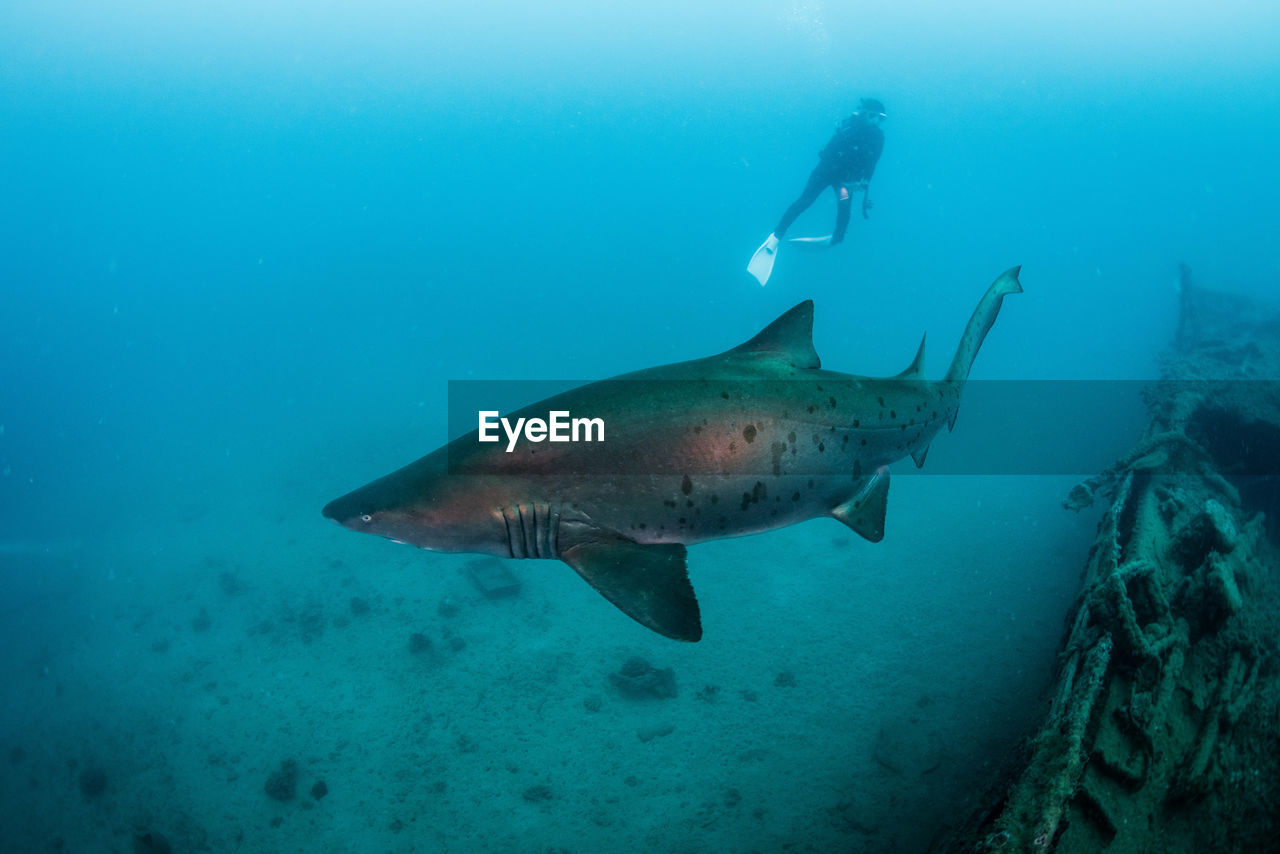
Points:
x=366, y=518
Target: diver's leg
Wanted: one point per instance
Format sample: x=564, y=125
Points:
x=818, y=181
x=844, y=201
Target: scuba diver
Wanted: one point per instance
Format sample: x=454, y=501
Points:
x=845, y=164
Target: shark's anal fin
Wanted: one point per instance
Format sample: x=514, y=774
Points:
x=648, y=583
x=865, y=512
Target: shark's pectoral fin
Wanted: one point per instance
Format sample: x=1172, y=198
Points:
x=918, y=456
x=648, y=583
x=865, y=512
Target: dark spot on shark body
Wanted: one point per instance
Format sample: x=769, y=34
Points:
x=749, y=433
x=686, y=485
x=776, y=450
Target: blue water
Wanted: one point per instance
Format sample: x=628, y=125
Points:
x=245, y=246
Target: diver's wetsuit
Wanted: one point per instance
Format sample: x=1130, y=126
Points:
x=848, y=158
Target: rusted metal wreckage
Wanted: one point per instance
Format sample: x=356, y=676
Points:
x=1163, y=734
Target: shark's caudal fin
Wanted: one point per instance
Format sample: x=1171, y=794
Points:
x=789, y=338
x=979, y=324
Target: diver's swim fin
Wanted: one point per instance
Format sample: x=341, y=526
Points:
x=823, y=242
x=761, y=263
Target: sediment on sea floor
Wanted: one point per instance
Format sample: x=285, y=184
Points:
x=1163, y=733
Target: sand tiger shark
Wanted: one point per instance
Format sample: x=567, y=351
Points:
x=753, y=439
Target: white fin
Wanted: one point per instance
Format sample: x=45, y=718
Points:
x=823, y=242
x=761, y=263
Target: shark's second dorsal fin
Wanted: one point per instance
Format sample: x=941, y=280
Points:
x=790, y=337
x=915, y=371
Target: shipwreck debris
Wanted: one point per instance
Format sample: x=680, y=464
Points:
x=1162, y=731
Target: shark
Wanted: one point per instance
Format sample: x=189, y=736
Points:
x=753, y=439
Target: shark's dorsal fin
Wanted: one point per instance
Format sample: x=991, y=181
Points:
x=790, y=338
x=915, y=371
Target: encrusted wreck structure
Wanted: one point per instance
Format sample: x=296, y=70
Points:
x=1164, y=730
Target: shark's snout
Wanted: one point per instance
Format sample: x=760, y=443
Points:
x=348, y=511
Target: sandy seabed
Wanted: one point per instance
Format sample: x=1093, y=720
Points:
x=846, y=696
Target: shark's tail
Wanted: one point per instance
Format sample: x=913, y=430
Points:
x=979, y=324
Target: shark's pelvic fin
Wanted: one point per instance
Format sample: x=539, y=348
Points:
x=918, y=456
x=915, y=371
x=648, y=583
x=865, y=512
x=790, y=338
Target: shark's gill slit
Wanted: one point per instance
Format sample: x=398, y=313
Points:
x=528, y=531
x=511, y=535
x=553, y=530
x=542, y=533
x=531, y=530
